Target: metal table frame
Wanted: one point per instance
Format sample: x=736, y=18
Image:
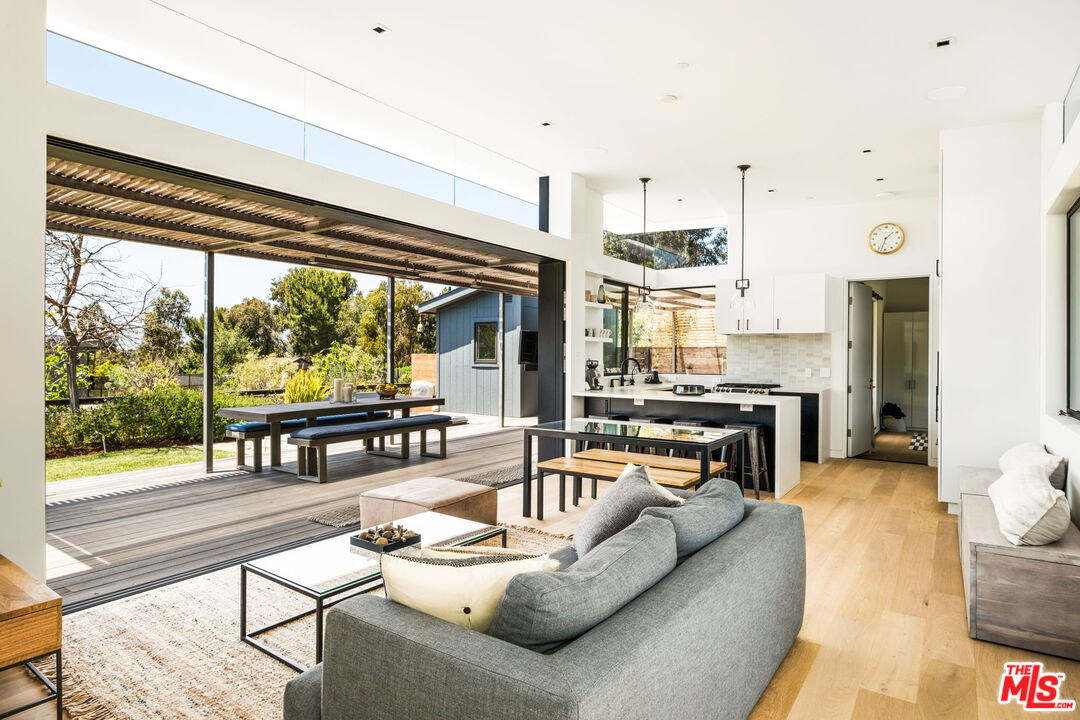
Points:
x=322, y=601
x=278, y=413
x=703, y=450
x=56, y=691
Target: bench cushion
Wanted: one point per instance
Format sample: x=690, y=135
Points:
x=374, y=426
x=252, y=427
x=261, y=427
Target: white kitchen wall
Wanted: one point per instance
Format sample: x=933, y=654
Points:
x=780, y=359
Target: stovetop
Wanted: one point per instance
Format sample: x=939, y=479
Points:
x=751, y=388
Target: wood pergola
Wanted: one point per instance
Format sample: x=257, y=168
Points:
x=107, y=194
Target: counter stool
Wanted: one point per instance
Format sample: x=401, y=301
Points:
x=759, y=464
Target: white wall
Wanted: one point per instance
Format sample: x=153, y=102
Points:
x=990, y=294
x=830, y=239
x=22, y=186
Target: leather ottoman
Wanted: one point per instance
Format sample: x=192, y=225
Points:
x=438, y=494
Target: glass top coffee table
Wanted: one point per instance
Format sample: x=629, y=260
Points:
x=331, y=570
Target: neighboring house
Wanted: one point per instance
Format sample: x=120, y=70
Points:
x=466, y=348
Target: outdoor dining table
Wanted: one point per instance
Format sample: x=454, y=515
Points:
x=309, y=411
x=699, y=441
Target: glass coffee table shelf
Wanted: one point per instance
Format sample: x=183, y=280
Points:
x=331, y=570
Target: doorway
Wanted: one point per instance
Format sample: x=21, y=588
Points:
x=890, y=414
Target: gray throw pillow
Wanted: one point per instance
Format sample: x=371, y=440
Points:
x=542, y=610
x=717, y=507
x=619, y=506
x=566, y=556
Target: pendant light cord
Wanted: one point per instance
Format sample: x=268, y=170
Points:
x=743, y=283
x=644, y=226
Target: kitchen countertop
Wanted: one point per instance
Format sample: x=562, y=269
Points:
x=650, y=392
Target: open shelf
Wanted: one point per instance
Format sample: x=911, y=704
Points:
x=599, y=340
x=597, y=306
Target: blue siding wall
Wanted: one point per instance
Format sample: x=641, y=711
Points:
x=473, y=388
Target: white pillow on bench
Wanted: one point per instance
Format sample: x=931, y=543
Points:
x=1029, y=510
x=1033, y=453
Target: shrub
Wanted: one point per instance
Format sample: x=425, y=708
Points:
x=261, y=373
x=164, y=415
x=306, y=386
x=350, y=363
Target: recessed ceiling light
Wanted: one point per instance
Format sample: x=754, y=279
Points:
x=545, y=124
x=884, y=194
x=380, y=29
x=772, y=190
x=682, y=65
x=667, y=99
x=867, y=150
x=943, y=43
x=949, y=92
x=879, y=179
x=679, y=199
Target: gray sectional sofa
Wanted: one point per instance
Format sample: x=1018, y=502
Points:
x=703, y=642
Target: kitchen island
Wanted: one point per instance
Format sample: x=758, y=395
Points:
x=779, y=414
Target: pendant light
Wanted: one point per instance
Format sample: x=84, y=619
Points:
x=644, y=302
x=742, y=299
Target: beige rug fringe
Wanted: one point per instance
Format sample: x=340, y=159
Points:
x=78, y=705
x=537, y=531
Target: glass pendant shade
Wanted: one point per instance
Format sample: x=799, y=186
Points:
x=742, y=300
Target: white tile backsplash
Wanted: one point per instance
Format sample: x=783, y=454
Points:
x=780, y=359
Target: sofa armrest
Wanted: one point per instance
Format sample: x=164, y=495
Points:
x=303, y=696
x=384, y=660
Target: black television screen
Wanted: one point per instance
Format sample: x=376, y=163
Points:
x=529, y=345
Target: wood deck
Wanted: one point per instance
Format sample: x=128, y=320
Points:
x=177, y=523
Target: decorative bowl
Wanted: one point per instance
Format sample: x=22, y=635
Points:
x=395, y=536
x=386, y=392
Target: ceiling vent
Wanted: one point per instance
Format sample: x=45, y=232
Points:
x=380, y=29
x=943, y=43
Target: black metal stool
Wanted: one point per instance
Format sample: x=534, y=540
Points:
x=754, y=445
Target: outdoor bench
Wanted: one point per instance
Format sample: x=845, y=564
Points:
x=317, y=439
x=256, y=431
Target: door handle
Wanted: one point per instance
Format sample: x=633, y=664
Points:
x=777, y=323
x=738, y=325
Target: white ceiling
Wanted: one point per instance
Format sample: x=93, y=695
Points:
x=797, y=89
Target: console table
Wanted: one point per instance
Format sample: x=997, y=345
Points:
x=29, y=631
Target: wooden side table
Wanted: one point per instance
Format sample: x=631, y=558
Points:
x=29, y=631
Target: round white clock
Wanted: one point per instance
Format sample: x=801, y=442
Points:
x=886, y=238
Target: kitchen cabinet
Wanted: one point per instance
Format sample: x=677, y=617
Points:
x=755, y=319
x=801, y=303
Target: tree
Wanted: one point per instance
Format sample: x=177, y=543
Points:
x=163, y=328
x=310, y=302
x=671, y=248
x=90, y=302
x=256, y=321
x=230, y=346
x=414, y=331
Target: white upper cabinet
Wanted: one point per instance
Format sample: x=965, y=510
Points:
x=800, y=303
x=782, y=304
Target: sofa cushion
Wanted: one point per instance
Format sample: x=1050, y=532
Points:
x=1033, y=453
x=461, y=590
x=1029, y=510
x=631, y=493
x=542, y=610
x=717, y=507
x=566, y=556
x=389, y=426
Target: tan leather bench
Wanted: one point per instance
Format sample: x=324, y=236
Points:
x=438, y=494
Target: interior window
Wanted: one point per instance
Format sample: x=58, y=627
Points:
x=485, y=342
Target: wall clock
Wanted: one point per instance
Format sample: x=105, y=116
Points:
x=886, y=238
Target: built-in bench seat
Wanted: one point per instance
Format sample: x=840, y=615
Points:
x=579, y=468
x=315, y=440
x=1024, y=596
x=256, y=431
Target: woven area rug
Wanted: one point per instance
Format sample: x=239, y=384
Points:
x=175, y=652
x=348, y=514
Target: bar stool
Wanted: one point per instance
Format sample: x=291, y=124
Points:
x=759, y=463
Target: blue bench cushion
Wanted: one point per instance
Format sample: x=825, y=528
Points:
x=388, y=426
x=253, y=427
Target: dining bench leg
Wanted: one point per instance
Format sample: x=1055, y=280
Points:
x=301, y=461
x=321, y=453
x=539, y=494
x=562, y=493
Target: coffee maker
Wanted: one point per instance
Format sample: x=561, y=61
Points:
x=592, y=378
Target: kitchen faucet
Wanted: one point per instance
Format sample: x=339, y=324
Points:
x=622, y=371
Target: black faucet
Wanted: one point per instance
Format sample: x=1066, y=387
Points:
x=623, y=368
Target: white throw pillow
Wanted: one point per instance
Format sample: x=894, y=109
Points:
x=1033, y=453
x=461, y=590
x=1029, y=510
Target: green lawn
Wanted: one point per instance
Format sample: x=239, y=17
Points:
x=121, y=460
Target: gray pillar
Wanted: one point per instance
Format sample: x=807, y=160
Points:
x=391, y=373
x=501, y=355
x=208, y=364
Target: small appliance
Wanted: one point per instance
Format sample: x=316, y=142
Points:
x=680, y=389
x=652, y=378
x=749, y=388
x=592, y=378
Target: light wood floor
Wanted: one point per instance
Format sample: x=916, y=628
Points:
x=884, y=635
x=893, y=447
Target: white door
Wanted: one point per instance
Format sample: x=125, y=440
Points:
x=799, y=303
x=860, y=369
x=758, y=318
x=920, y=370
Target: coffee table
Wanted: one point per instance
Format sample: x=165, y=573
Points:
x=331, y=570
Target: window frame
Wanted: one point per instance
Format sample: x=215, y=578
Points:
x=1072, y=295
x=477, y=360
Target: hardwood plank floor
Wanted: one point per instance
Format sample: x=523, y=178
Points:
x=884, y=634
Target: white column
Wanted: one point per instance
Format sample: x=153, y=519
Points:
x=22, y=285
